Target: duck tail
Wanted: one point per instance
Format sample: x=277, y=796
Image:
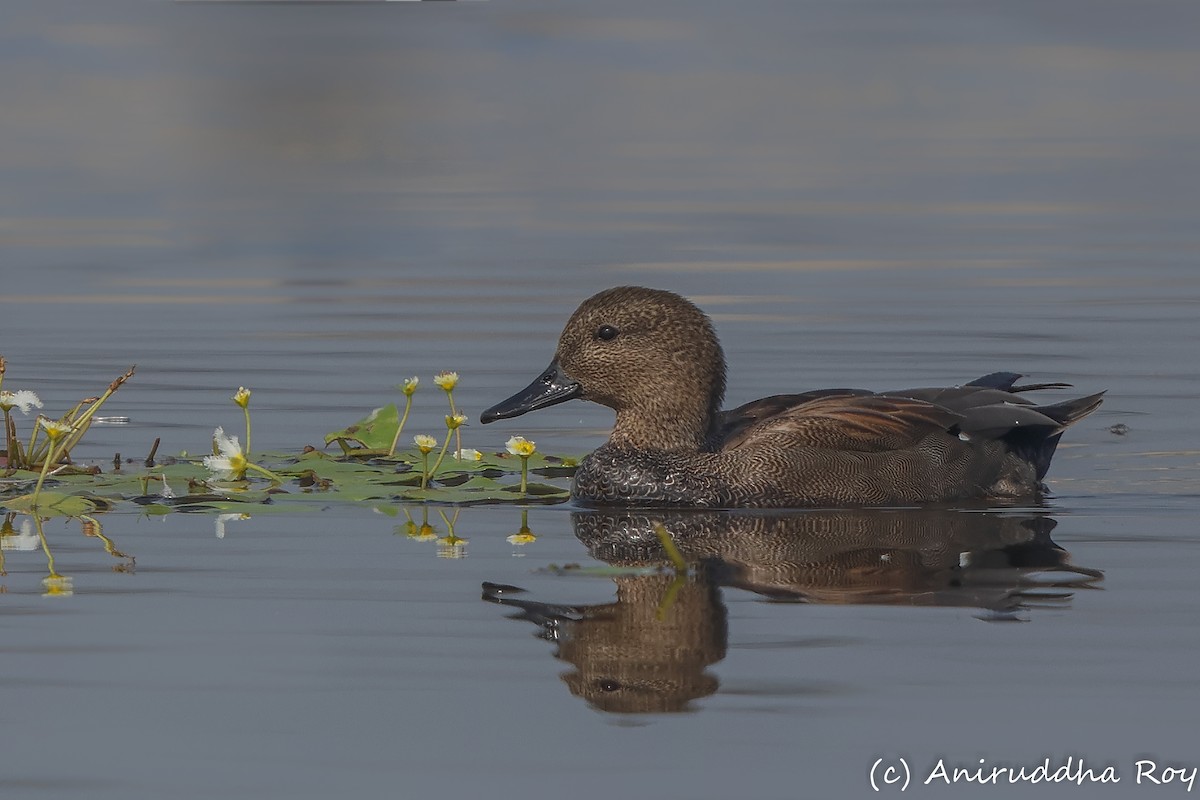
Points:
x=1007, y=382
x=1068, y=412
x=1035, y=446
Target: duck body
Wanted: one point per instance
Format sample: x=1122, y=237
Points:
x=655, y=359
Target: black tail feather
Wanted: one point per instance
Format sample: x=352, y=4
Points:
x=1007, y=381
x=1037, y=444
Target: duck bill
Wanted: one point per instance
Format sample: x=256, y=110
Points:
x=553, y=386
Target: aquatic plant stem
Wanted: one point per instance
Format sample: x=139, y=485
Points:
x=263, y=471
x=441, y=455
x=32, y=439
x=668, y=546
x=457, y=431
x=400, y=427
x=524, y=474
x=37, y=523
x=42, y=477
x=89, y=526
x=246, y=411
x=82, y=424
x=450, y=521
x=424, y=470
x=9, y=430
x=681, y=570
x=669, y=596
x=451, y=539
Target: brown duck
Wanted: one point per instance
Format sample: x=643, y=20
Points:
x=653, y=357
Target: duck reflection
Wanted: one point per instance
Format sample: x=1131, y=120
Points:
x=650, y=649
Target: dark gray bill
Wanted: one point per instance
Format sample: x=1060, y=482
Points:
x=551, y=387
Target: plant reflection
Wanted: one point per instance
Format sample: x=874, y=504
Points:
x=28, y=535
x=523, y=536
x=650, y=649
x=451, y=545
x=424, y=532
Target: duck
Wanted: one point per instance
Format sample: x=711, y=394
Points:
x=654, y=358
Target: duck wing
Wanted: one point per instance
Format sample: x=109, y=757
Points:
x=731, y=424
x=836, y=419
x=859, y=420
x=991, y=409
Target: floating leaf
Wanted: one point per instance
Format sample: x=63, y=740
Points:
x=52, y=504
x=373, y=432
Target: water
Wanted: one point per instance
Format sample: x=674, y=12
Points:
x=317, y=201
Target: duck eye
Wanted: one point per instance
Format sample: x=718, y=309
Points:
x=607, y=333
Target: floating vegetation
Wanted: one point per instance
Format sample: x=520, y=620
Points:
x=367, y=466
x=48, y=451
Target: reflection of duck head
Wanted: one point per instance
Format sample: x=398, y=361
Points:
x=646, y=652
x=650, y=649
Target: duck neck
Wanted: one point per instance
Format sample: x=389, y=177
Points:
x=671, y=424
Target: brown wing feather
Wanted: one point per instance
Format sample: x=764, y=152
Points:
x=847, y=422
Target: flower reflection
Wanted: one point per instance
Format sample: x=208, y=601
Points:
x=523, y=536
x=423, y=533
x=451, y=545
x=418, y=532
x=58, y=586
x=24, y=539
x=225, y=519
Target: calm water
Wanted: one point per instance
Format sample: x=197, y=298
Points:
x=316, y=201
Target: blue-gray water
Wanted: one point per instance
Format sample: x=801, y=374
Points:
x=317, y=201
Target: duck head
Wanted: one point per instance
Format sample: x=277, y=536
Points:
x=650, y=355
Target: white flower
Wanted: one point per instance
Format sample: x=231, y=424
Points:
x=55, y=430
x=410, y=385
x=467, y=454
x=242, y=396
x=22, y=399
x=424, y=442
x=446, y=380
x=454, y=421
x=230, y=462
x=520, y=446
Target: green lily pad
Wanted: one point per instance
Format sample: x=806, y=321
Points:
x=52, y=504
x=373, y=432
